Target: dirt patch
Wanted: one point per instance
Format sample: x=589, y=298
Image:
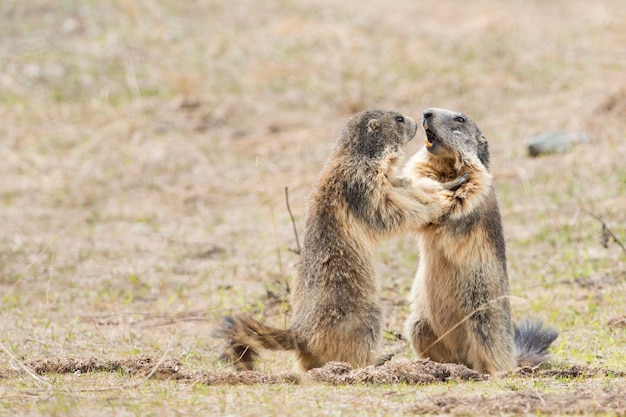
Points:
x=585, y=396
x=526, y=402
x=420, y=372
x=335, y=373
x=243, y=378
x=153, y=367
x=575, y=371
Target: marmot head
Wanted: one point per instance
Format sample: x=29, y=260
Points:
x=377, y=134
x=453, y=135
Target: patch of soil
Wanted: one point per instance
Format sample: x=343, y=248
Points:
x=584, y=402
x=574, y=371
x=243, y=378
x=419, y=372
x=149, y=366
x=416, y=372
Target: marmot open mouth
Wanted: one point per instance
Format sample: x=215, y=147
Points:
x=431, y=139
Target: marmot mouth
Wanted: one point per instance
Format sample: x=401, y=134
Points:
x=431, y=139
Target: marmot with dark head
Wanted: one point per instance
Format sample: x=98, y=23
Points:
x=460, y=297
x=357, y=201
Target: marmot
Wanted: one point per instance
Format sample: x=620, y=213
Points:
x=460, y=297
x=357, y=200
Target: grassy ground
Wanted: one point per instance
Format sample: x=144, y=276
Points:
x=146, y=146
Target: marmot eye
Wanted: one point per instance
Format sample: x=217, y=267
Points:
x=459, y=119
x=400, y=119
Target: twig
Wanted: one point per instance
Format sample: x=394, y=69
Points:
x=27, y=268
x=280, y=261
x=293, y=222
x=234, y=361
x=23, y=163
x=24, y=367
x=607, y=234
x=131, y=81
x=464, y=319
x=51, y=275
x=156, y=367
x=393, y=335
x=98, y=330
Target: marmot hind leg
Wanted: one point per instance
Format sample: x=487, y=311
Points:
x=426, y=342
x=490, y=342
x=354, y=338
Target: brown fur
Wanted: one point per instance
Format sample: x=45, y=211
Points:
x=460, y=296
x=357, y=201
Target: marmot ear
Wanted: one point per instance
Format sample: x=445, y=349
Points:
x=373, y=125
x=482, y=139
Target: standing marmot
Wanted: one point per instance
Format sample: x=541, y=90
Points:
x=357, y=201
x=460, y=297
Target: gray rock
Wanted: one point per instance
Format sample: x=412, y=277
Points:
x=556, y=141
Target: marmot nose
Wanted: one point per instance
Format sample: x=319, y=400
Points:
x=428, y=114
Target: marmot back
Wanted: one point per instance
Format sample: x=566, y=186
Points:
x=460, y=309
x=357, y=201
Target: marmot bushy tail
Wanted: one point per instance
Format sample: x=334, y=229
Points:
x=532, y=341
x=357, y=201
x=460, y=310
x=246, y=336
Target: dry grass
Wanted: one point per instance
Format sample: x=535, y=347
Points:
x=146, y=146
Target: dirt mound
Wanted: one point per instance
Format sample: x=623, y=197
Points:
x=153, y=367
x=419, y=372
x=335, y=373
x=415, y=372
x=136, y=366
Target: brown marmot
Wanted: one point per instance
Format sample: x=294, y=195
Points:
x=460, y=297
x=357, y=200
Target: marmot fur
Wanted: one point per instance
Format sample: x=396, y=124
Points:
x=460, y=297
x=357, y=200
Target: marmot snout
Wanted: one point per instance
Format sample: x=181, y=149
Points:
x=453, y=134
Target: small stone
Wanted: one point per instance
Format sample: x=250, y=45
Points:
x=555, y=142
